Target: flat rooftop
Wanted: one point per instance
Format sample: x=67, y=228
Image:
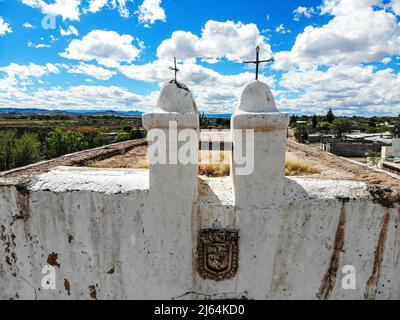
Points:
x=128, y=154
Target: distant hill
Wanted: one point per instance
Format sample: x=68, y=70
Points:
x=83, y=112
x=90, y=112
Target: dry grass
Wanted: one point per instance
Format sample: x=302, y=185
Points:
x=141, y=164
x=214, y=170
x=298, y=167
x=211, y=163
x=214, y=163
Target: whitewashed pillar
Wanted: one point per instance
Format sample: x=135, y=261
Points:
x=173, y=191
x=257, y=116
x=396, y=147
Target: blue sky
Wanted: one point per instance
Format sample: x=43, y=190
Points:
x=115, y=54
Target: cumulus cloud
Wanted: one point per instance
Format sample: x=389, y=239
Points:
x=42, y=45
x=150, y=11
x=71, y=30
x=17, y=91
x=82, y=97
x=4, y=27
x=357, y=33
x=93, y=71
x=27, y=25
x=15, y=70
x=234, y=41
x=282, y=29
x=98, y=5
x=108, y=48
x=303, y=11
x=348, y=89
x=67, y=9
x=201, y=80
x=396, y=7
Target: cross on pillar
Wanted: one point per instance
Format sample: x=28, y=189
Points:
x=174, y=68
x=257, y=62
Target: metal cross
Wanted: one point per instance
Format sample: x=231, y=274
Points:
x=258, y=61
x=174, y=68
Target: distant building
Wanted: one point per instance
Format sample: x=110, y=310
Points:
x=356, y=144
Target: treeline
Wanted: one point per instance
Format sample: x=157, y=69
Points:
x=330, y=124
x=21, y=150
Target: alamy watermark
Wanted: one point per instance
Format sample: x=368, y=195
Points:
x=180, y=146
x=49, y=279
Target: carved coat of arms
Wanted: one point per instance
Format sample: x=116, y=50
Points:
x=217, y=254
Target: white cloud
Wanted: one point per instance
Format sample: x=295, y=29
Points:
x=356, y=33
x=150, y=11
x=211, y=60
x=96, y=5
x=122, y=8
x=93, y=71
x=82, y=97
x=106, y=47
x=351, y=90
x=14, y=70
x=303, y=11
x=234, y=41
x=67, y=9
x=42, y=45
x=71, y=30
x=27, y=25
x=4, y=27
x=396, y=7
x=345, y=7
x=202, y=81
x=281, y=29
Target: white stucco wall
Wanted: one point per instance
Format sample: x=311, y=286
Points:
x=94, y=220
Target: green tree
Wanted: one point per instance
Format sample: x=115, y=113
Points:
x=129, y=133
x=324, y=126
x=377, y=129
x=330, y=117
x=123, y=136
x=27, y=150
x=314, y=121
x=293, y=120
x=96, y=139
x=7, y=145
x=59, y=142
x=340, y=126
x=16, y=152
x=301, y=132
x=204, y=121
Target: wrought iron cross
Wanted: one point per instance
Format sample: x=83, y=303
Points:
x=174, y=68
x=258, y=61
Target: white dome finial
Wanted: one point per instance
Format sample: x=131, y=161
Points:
x=176, y=97
x=257, y=97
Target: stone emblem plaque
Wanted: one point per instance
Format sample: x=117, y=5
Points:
x=217, y=254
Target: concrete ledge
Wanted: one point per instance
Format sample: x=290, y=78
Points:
x=270, y=121
x=107, y=181
x=161, y=120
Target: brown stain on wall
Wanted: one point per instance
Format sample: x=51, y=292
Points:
x=22, y=200
x=67, y=286
x=52, y=260
x=372, y=283
x=93, y=292
x=9, y=246
x=330, y=277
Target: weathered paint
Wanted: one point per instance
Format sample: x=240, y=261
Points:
x=286, y=251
